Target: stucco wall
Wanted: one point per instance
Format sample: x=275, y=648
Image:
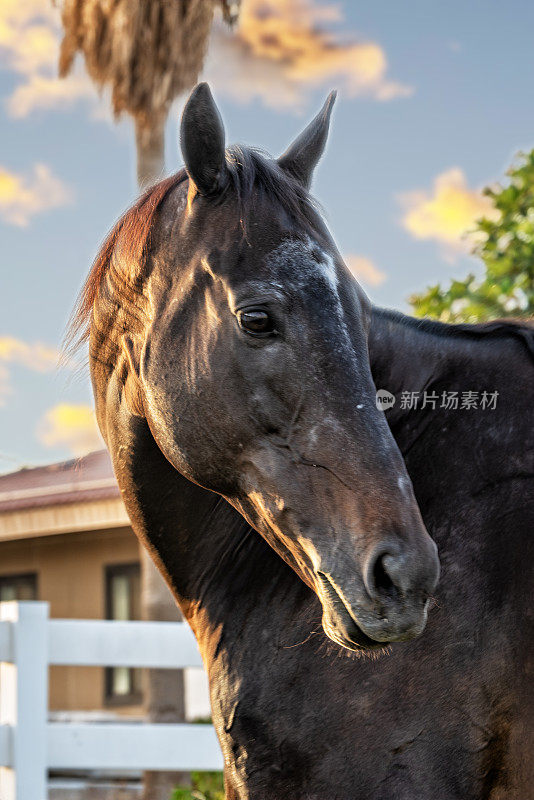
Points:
x=71, y=577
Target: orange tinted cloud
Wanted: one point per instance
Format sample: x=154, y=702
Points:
x=284, y=48
x=281, y=50
x=71, y=426
x=29, y=42
x=364, y=270
x=24, y=195
x=448, y=212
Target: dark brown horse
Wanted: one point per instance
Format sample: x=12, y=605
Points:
x=229, y=353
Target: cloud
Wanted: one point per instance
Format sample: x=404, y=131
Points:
x=5, y=384
x=448, y=212
x=36, y=356
x=29, y=42
x=41, y=92
x=283, y=49
x=280, y=52
x=71, y=426
x=364, y=270
x=24, y=195
x=28, y=34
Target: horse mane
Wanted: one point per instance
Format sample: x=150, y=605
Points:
x=249, y=170
x=133, y=229
x=523, y=330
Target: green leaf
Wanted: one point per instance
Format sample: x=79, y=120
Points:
x=507, y=249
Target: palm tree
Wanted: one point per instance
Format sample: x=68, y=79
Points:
x=147, y=52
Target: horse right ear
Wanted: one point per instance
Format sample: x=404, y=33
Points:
x=202, y=142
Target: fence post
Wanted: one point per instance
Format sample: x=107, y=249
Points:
x=24, y=702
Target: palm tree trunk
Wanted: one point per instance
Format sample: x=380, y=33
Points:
x=150, y=146
x=164, y=688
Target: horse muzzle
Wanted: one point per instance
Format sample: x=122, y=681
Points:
x=391, y=606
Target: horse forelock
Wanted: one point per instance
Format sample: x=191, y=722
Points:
x=249, y=171
x=252, y=170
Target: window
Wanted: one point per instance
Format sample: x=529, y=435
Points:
x=123, y=602
x=18, y=587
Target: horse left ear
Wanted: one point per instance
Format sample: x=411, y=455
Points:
x=302, y=156
x=202, y=141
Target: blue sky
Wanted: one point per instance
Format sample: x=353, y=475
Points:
x=435, y=99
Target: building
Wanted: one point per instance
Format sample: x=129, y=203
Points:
x=65, y=538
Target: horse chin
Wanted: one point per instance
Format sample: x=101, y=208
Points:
x=342, y=626
x=345, y=632
x=339, y=625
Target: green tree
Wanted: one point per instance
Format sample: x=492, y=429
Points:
x=506, y=246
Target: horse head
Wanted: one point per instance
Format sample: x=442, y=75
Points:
x=250, y=365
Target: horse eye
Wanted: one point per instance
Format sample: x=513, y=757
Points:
x=255, y=321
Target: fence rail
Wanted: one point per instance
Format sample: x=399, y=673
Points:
x=30, y=745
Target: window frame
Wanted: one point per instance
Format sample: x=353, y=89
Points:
x=132, y=570
x=32, y=577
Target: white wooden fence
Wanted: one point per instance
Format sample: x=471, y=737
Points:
x=30, y=745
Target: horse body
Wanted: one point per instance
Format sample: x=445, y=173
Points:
x=473, y=473
x=447, y=715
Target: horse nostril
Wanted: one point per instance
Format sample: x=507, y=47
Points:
x=393, y=574
x=382, y=583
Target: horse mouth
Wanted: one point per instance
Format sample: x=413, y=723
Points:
x=341, y=626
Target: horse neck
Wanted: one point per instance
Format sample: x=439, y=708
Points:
x=404, y=357
x=219, y=569
x=407, y=354
x=472, y=470
x=494, y=445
